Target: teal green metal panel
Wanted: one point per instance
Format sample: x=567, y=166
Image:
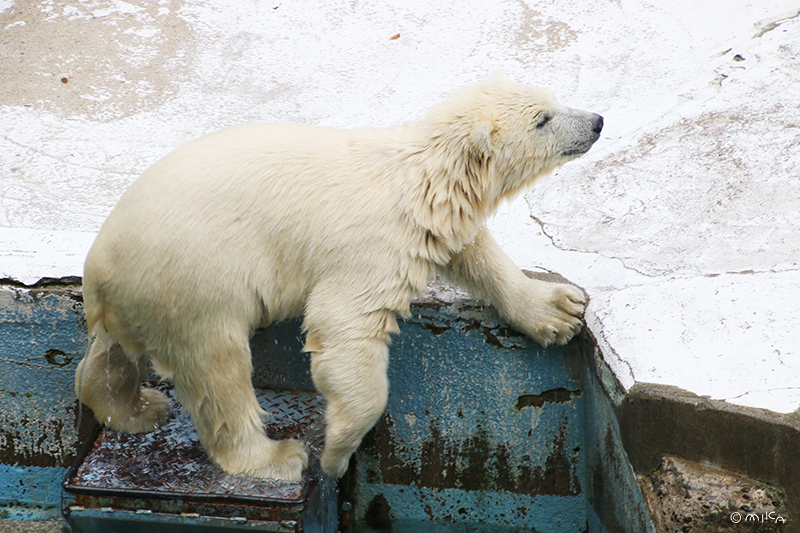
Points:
x=483, y=427
x=30, y=492
x=43, y=338
x=615, y=502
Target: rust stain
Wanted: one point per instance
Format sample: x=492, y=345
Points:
x=476, y=462
x=267, y=513
x=379, y=514
x=52, y=444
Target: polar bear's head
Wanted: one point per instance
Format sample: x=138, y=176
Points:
x=514, y=132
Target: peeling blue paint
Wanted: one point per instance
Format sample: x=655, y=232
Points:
x=43, y=340
x=30, y=492
x=482, y=427
x=513, y=512
x=456, y=444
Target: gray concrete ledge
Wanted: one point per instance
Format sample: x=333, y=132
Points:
x=659, y=420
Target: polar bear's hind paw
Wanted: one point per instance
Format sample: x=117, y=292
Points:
x=287, y=462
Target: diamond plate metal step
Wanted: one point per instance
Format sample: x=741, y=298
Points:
x=163, y=480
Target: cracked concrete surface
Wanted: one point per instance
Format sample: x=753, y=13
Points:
x=130, y=56
x=702, y=203
x=681, y=223
x=732, y=337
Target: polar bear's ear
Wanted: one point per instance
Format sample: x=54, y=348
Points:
x=481, y=139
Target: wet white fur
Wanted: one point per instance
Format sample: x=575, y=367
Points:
x=261, y=222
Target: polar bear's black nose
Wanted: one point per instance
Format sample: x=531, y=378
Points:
x=597, y=123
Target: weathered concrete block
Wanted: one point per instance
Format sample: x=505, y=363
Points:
x=687, y=497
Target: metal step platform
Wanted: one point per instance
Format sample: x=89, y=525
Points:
x=163, y=480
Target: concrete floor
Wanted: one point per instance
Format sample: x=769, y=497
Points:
x=681, y=223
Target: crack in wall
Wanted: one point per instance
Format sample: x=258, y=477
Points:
x=774, y=25
x=759, y=391
x=667, y=275
x=587, y=252
x=61, y=159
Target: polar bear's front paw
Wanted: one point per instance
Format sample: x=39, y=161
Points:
x=553, y=313
x=286, y=462
x=335, y=461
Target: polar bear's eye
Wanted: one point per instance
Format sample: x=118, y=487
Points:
x=541, y=120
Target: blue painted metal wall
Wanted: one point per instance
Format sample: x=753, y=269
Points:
x=483, y=426
x=42, y=338
x=614, y=501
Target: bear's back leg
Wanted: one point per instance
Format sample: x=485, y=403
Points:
x=109, y=382
x=213, y=382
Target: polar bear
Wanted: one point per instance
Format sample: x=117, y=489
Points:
x=257, y=223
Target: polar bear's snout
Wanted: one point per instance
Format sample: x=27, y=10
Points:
x=580, y=129
x=597, y=123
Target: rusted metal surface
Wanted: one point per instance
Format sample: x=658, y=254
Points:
x=42, y=338
x=483, y=429
x=166, y=472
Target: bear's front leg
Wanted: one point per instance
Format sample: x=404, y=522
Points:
x=351, y=374
x=547, y=312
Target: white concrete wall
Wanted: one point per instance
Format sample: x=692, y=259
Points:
x=681, y=222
